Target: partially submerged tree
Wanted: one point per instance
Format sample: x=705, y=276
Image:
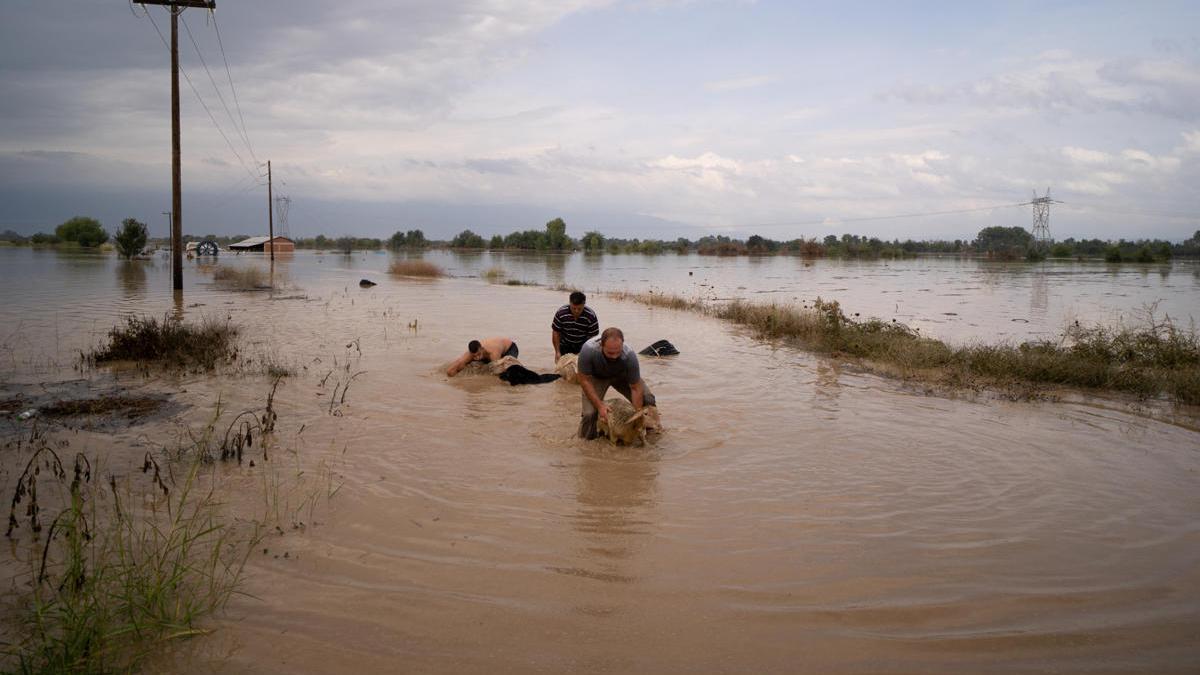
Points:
x=132, y=238
x=85, y=231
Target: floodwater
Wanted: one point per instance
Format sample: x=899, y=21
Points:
x=796, y=515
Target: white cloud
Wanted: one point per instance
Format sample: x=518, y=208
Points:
x=1191, y=141
x=739, y=83
x=1085, y=156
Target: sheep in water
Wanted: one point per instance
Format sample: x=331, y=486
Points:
x=623, y=424
x=568, y=367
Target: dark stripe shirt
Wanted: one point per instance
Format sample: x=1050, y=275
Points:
x=573, y=331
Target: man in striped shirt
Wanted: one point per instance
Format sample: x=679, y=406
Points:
x=573, y=325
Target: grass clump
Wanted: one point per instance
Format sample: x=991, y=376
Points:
x=169, y=341
x=1156, y=358
x=520, y=282
x=241, y=278
x=111, y=580
x=494, y=274
x=415, y=268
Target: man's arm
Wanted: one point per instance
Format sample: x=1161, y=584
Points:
x=589, y=390
x=459, y=363
x=635, y=391
x=555, y=339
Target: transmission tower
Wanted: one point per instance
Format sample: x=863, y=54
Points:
x=1041, y=218
x=282, y=204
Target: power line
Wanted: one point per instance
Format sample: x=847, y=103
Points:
x=232, y=88
x=1149, y=214
x=201, y=99
x=211, y=79
x=828, y=221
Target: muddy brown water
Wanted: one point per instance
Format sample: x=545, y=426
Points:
x=796, y=516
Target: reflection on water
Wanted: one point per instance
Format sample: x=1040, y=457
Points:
x=132, y=275
x=797, y=514
x=1039, y=295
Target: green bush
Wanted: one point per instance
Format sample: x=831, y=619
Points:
x=82, y=230
x=132, y=238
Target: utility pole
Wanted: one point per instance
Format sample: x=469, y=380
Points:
x=176, y=7
x=270, y=215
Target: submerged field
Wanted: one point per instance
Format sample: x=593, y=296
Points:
x=798, y=514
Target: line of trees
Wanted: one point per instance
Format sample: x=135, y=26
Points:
x=999, y=243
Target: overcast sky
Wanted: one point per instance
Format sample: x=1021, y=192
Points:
x=649, y=118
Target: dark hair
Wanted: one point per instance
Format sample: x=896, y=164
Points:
x=609, y=333
x=578, y=298
x=473, y=346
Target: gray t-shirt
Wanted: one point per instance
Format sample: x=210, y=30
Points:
x=593, y=363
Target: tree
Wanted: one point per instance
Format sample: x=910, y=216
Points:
x=592, y=242
x=556, y=235
x=344, y=244
x=410, y=239
x=131, y=239
x=416, y=239
x=85, y=231
x=1000, y=239
x=41, y=238
x=467, y=239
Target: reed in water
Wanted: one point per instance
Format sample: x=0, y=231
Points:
x=1152, y=359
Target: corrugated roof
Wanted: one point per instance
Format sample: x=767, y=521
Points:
x=255, y=241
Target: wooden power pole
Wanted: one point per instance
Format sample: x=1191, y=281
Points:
x=176, y=7
x=270, y=215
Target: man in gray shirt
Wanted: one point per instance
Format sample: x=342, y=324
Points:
x=606, y=362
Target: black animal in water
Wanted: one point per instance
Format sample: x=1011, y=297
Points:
x=366, y=283
x=660, y=348
x=517, y=374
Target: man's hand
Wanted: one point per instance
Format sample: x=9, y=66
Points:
x=603, y=410
x=557, y=356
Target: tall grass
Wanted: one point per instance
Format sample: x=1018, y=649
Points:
x=122, y=571
x=415, y=268
x=114, y=580
x=494, y=274
x=169, y=341
x=1155, y=358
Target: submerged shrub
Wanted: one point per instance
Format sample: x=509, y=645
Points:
x=241, y=278
x=415, y=268
x=169, y=341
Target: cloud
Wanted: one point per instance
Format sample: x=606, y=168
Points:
x=1085, y=156
x=738, y=84
x=1060, y=84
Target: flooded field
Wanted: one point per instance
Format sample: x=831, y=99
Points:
x=795, y=516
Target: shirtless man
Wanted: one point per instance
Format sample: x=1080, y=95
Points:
x=486, y=350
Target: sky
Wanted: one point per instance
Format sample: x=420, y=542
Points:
x=637, y=118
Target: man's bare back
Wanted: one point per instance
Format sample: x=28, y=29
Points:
x=489, y=349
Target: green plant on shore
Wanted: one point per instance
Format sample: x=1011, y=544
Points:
x=494, y=274
x=1152, y=359
x=113, y=580
x=121, y=571
x=170, y=342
